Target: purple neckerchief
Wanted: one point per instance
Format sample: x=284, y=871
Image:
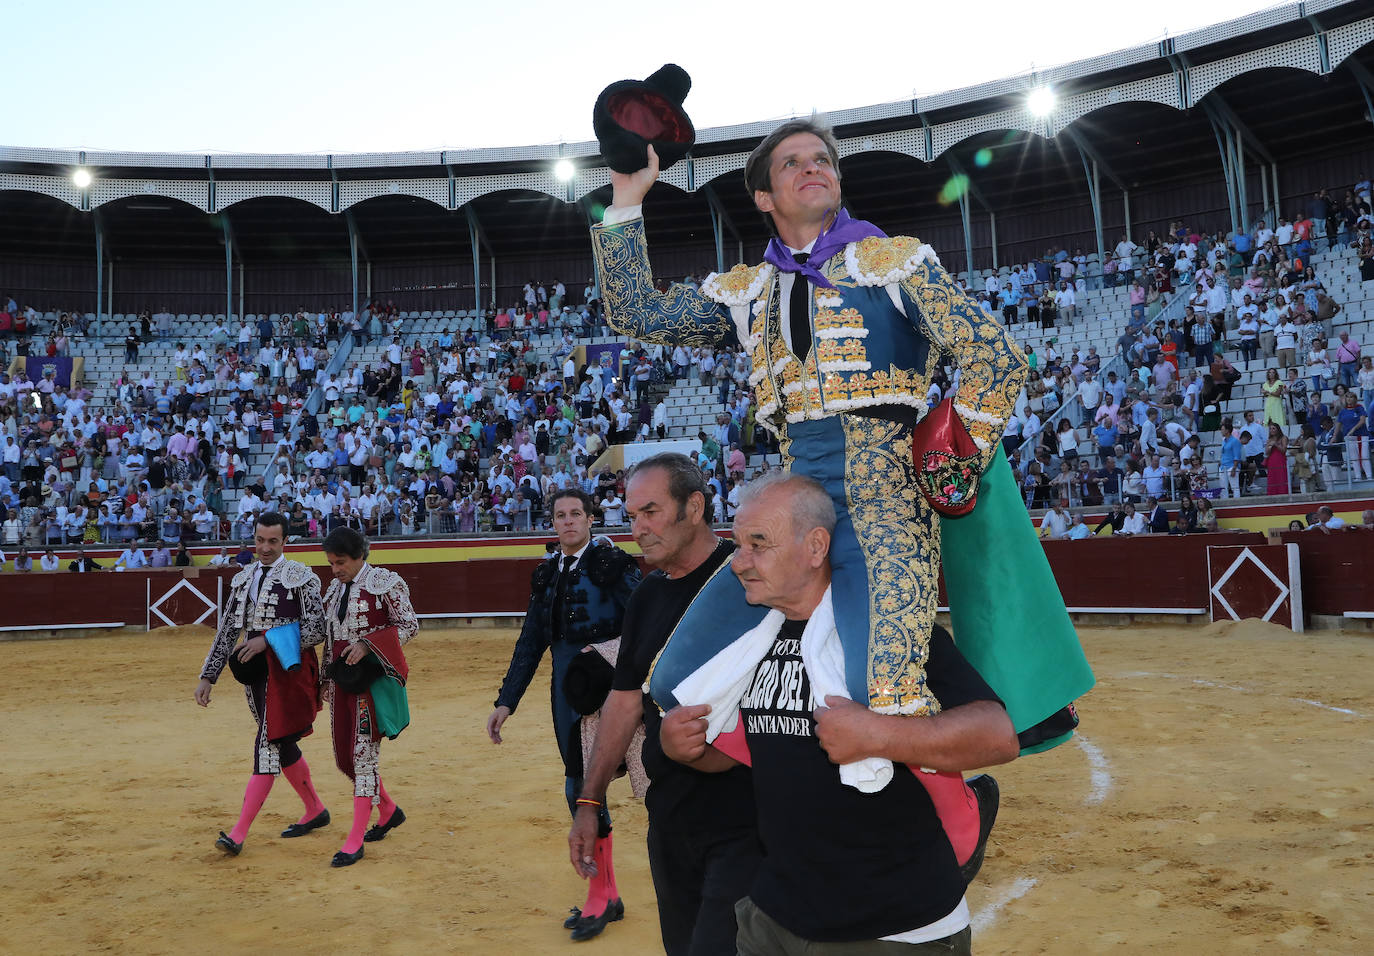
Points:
x=841, y=233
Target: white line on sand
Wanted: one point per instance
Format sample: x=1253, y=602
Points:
x=1134, y=675
x=986, y=916
x=1317, y=703
x=1099, y=771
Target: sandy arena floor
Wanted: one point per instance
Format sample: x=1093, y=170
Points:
x=1220, y=799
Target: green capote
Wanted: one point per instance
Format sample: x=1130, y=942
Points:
x=1005, y=609
x=390, y=706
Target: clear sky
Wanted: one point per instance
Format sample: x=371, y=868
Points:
x=353, y=76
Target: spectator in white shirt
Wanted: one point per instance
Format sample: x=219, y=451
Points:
x=1175, y=435
x=993, y=288
x=249, y=503
x=1286, y=343
x=131, y=559
x=1125, y=252
x=1055, y=524
x=204, y=521
x=1267, y=319
x=1154, y=475
x=1327, y=520
x=612, y=509
x=1135, y=522
x=1090, y=394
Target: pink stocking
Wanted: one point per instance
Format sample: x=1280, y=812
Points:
x=299, y=776
x=957, y=807
x=600, y=888
x=259, y=785
x=362, y=812
x=605, y=866
x=388, y=806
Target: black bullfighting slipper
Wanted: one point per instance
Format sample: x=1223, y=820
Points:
x=380, y=831
x=985, y=789
x=320, y=819
x=590, y=926
x=572, y=921
x=228, y=845
x=346, y=859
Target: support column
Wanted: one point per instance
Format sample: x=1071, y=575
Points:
x=969, y=194
x=1095, y=199
x=1223, y=147
x=353, y=264
x=476, y=236
x=1240, y=184
x=1274, y=184
x=968, y=237
x=229, y=271
x=1237, y=139
x=992, y=226
x=1364, y=90
x=356, y=246
x=1097, y=216
x=99, y=276
x=721, y=223
x=476, y=273
x=719, y=235
x=1126, y=208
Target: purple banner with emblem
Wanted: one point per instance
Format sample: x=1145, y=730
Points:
x=61, y=366
x=596, y=353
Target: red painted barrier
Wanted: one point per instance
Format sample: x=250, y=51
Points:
x=1336, y=569
x=1165, y=572
x=1168, y=572
x=1256, y=581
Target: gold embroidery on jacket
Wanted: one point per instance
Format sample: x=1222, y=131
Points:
x=899, y=536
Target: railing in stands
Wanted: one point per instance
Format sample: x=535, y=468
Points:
x=337, y=361
x=1072, y=410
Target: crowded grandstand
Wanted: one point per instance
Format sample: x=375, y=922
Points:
x=414, y=344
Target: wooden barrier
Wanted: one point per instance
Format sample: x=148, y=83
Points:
x=1256, y=581
x=1151, y=574
x=1336, y=568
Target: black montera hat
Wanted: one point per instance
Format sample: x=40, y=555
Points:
x=630, y=114
x=587, y=682
x=355, y=678
x=251, y=671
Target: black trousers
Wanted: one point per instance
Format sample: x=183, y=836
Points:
x=699, y=874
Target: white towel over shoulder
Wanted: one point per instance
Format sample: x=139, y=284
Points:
x=724, y=679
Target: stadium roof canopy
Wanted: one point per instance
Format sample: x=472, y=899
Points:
x=1283, y=86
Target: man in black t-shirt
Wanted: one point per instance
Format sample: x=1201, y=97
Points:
x=703, y=842
x=854, y=853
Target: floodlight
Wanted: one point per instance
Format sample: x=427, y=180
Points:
x=564, y=171
x=1041, y=101
x=81, y=178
